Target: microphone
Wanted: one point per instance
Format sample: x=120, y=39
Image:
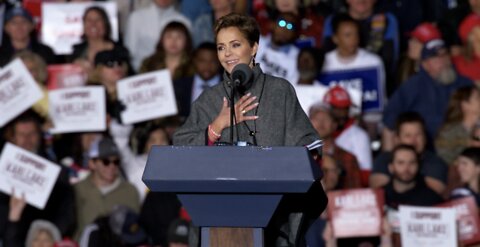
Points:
x=241, y=74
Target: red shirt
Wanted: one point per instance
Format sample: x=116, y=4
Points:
x=468, y=68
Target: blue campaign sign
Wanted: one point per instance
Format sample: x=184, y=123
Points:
x=368, y=80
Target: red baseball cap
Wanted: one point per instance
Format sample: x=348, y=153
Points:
x=337, y=96
x=425, y=32
x=470, y=22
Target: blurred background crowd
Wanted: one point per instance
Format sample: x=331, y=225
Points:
x=421, y=144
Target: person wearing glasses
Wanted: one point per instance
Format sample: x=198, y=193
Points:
x=104, y=188
x=110, y=67
x=267, y=114
x=277, y=53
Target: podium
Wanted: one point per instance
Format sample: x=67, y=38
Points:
x=232, y=192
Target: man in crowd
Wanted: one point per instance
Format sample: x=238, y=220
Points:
x=104, y=188
x=410, y=130
x=407, y=186
x=277, y=53
x=325, y=124
x=25, y=132
x=427, y=92
x=349, y=135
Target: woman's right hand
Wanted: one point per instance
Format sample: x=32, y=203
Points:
x=244, y=104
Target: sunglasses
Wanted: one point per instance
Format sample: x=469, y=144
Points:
x=285, y=24
x=107, y=162
x=112, y=64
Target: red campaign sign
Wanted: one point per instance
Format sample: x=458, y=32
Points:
x=65, y=76
x=356, y=212
x=467, y=219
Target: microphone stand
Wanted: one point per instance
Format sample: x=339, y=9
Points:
x=232, y=108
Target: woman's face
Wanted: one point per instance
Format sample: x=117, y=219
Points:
x=93, y=25
x=157, y=137
x=472, y=105
x=174, y=42
x=233, y=48
x=467, y=170
x=43, y=239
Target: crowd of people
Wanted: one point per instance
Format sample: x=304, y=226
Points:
x=416, y=132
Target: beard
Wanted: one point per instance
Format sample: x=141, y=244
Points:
x=404, y=180
x=447, y=76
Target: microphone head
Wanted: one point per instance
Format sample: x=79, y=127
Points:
x=241, y=74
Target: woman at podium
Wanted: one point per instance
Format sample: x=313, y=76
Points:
x=267, y=112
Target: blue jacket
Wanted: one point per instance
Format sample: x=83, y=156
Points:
x=422, y=94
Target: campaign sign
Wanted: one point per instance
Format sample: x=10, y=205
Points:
x=427, y=226
x=18, y=91
x=467, y=219
x=308, y=95
x=65, y=75
x=356, y=212
x=28, y=174
x=79, y=109
x=147, y=96
x=365, y=79
x=62, y=23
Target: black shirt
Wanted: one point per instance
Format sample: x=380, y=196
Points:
x=420, y=195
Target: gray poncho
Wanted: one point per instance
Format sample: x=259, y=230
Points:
x=281, y=122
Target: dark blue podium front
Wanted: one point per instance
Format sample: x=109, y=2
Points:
x=230, y=186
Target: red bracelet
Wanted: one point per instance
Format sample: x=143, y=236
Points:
x=213, y=132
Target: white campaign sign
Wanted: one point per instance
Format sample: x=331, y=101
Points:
x=18, y=91
x=28, y=174
x=78, y=109
x=147, y=96
x=427, y=226
x=62, y=23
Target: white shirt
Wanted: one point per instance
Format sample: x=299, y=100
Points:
x=280, y=62
x=144, y=28
x=356, y=141
x=199, y=85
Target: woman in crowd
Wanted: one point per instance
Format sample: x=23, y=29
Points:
x=110, y=67
x=463, y=113
x=173, y=52
x=468, y=64
x=38, y=69
x=266, y=109
x=468, y=167
x=97, y=33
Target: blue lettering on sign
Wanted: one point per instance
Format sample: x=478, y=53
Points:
x=366, y=79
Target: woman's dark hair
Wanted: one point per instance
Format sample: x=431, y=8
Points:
x=157, y=60
x=454, y=109
x=472, y=153
x=175, y=26
x=106, y=22
x=246, y=25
